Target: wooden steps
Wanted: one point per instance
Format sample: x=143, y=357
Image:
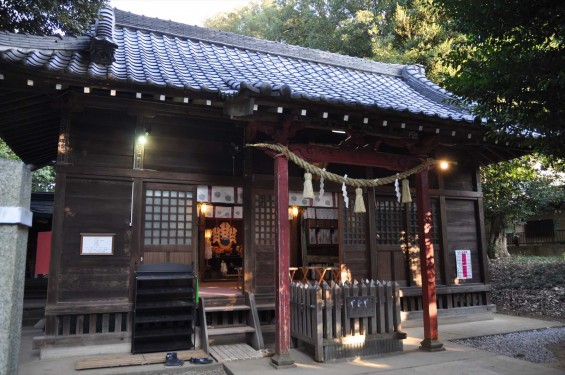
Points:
x=237, y=352
x=227, y=308
x=219, y=331
x=232, y=317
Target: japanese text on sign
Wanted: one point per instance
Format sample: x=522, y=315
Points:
x=463, y=261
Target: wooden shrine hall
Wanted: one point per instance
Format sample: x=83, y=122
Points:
x=184, y=145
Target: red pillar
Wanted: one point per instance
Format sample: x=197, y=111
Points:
x=282, y=282
x=429, y=302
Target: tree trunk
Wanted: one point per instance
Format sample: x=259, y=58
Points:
x=497, y=240
x=500, y=246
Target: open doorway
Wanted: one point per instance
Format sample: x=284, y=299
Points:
x=221, y=239
x=314, y=250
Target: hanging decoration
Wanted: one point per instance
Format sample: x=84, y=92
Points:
x=322, y=184
x=406, y=197
x=357, y=182
x=397, y=189
x=308, y=189
x=359, y=204
x=344, y=190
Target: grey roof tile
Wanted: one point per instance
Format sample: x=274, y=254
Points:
x=168, y=54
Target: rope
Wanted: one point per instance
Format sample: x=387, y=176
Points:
x=358, y=182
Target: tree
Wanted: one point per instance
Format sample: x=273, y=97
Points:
x=45, y=17
x=42, y=179
x=511, y=67
x=408, y=31
x=48, y=16
x=514, y=190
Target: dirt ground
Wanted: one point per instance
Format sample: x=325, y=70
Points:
x=532, y=287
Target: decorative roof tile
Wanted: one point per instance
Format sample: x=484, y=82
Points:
x=182, y=57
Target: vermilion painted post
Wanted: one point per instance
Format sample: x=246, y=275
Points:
x=429, y=300
x=282, y=254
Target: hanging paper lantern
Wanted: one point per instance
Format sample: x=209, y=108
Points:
x=359, y=204
x=406, y=197
x=308, y=189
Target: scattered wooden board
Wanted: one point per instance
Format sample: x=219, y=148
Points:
x=237, y=352
x=134, y=359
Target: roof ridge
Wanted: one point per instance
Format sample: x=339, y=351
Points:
x=43, y=42
x=132, y=20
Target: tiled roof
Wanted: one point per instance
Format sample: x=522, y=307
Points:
x=189, y=58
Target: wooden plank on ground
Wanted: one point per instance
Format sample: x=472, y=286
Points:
x=134, y=359
x=237, y=352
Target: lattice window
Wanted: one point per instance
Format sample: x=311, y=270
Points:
x=264, y=219
x=389, y=223
x=168, y=217
x=413, y=217
x=354, y=226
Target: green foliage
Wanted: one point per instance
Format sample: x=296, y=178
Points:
x=48, y=16
x=512, y=65
x=6, y=152
x=42, y=180
x=408, y=31
x=516, y=189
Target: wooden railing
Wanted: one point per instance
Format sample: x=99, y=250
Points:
x=95, y=323
x=521, y=238
x=346, y=320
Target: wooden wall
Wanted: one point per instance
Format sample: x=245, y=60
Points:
x=95, y=206
x=96, y=196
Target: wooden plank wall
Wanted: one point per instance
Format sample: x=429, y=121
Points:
x=95, y=206
x=187, y=145
x=462, y=235
x=102, y=138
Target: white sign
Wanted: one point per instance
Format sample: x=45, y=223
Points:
x=96, y=244
x=464, y=267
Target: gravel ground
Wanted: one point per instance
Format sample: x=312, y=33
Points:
x=531, y=346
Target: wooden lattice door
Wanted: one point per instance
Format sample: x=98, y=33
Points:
x=170, y=227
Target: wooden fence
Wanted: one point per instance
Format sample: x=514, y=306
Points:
x=346, y=320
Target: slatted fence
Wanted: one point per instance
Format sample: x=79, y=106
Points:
x=346, y=320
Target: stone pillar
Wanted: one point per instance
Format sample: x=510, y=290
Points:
x=15, y=218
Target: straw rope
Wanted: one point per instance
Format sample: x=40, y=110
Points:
x=358, y=182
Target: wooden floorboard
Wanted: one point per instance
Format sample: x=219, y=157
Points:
x=237, y=352
x=134, y=359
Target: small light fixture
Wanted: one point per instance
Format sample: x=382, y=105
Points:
x=444, y=164
x=208, y=234
x=203, y=208
x=294, y=211
x=142, y=139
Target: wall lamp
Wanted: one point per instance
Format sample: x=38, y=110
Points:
x=204, y=208
x=445, y=164
x=142, y=139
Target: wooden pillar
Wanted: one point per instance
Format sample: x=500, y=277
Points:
x=282, y=258
x=429, y=303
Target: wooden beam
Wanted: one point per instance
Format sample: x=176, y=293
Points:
x=316, y=154
x=282, y=357
x=429, y=299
